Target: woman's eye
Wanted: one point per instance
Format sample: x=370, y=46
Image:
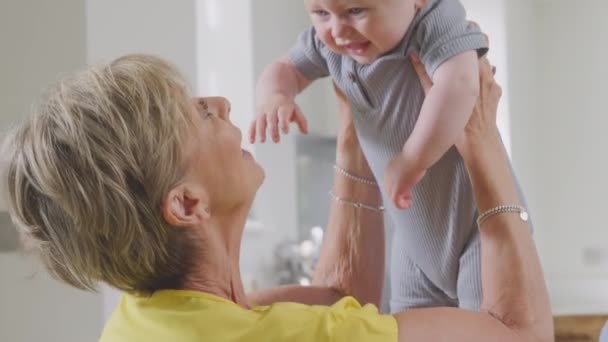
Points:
x=356, y=11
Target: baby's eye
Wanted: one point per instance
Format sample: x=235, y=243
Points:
x=321, y=13
x=356, y=11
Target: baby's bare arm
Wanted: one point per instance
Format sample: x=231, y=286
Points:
x=280, y=77
x=445, y=111
x=276, y=90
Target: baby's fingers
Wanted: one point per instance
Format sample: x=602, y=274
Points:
x=285, y=114
x=261, y=127
x=273, y=122
x=301, y=120
x=252, y=131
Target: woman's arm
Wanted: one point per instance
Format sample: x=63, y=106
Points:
x=515, y=303
x=352, y=257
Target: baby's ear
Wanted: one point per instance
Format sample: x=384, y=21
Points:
x=420, y=4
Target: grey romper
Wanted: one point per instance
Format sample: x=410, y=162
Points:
x=436, y=250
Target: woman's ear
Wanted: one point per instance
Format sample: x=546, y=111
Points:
x=185, y=206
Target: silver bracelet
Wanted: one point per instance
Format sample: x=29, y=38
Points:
x=355, y=178
x=523, y=214
x=356, y=204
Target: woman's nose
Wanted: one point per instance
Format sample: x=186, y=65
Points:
x=223, y=106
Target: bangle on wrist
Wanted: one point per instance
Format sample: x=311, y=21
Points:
x=502, y=209
x=358, y=205
x=355, y=178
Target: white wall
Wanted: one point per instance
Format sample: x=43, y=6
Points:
x=572, y=119
x=40, y=40
x=35, y=307
x=558, y=74
x=163, y=28
x=522, y=38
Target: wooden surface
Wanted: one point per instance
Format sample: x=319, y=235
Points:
x=579, y=328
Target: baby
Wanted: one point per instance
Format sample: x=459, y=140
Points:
x=407, y=138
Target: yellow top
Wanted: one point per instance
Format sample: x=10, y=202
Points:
x=189, y=316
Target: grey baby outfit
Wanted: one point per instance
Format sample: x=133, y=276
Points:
x=435, y=258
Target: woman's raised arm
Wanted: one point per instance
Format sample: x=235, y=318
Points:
x=351, y=262
x=515, y=303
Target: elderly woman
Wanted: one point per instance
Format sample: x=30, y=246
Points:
x=121, y=177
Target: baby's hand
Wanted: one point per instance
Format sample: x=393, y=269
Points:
x=399, y=178
x=276, y=111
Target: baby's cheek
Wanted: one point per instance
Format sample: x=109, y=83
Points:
x=330, y=43
x=327, y=39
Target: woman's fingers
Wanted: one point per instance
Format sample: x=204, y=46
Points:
x=423, y=76
x=474, y=26
x=486, y=70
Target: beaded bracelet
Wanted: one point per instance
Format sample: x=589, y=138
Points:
x=355, y=178
x=523, y=214
x=356, y=204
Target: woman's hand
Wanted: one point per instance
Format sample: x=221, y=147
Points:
x=482, y=124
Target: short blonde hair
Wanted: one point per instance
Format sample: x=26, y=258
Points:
x=87, y=174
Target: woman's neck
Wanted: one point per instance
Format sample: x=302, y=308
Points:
x=217, y=271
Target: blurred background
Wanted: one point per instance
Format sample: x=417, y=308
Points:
x=551, y=58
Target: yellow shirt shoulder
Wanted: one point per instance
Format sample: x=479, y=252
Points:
x=189, y=316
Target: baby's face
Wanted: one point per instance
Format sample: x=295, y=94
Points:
x=362, y=29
